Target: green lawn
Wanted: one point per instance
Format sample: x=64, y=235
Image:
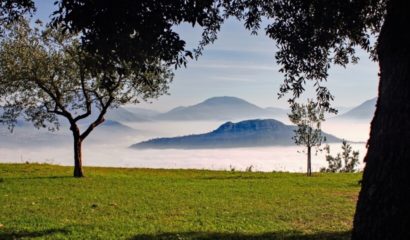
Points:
x=45, y=202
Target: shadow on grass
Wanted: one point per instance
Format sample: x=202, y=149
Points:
x=242, y=236
x=31, y=234
x=37, y=177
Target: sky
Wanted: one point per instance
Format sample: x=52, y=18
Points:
x=242, y=65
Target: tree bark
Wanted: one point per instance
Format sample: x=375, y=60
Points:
x=309, y=161
x=78, y=163
x=383, y=208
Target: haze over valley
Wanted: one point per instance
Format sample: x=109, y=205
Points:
x=237, y=64
x=109, y=144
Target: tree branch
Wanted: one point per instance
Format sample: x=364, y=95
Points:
x=86, y=96
x=99, y=120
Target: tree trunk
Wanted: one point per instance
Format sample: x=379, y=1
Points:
x=383, y=208
x=309, y=161
x=78, y=164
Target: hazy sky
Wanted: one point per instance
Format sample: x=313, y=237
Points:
x=241, y=65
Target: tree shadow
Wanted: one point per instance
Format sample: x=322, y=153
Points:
x=290, y=235
x=31, y=234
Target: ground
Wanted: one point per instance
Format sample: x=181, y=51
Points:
x=44, y=202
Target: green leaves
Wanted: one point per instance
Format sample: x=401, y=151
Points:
x=346, y=161
x=136, y=31
x=307, y=117
x=311, y=35
x=46, y=75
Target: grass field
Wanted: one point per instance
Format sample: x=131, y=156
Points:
x=45, y=202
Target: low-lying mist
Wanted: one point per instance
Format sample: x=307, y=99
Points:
x=106, y=148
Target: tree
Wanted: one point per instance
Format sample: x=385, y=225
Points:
x=308, y=117
x=350, y=157
x=346, y=161
x=46, y=76
x=311, y=35
x=334, y=163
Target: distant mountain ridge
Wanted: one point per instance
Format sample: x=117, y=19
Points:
x=212, y=109
x=364, y=111
x=249, y=133
x=220, y=108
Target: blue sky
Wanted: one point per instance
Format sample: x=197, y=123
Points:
x=242, y=65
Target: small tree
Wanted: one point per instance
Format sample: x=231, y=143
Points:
x=45, y=76
x=308, y=118
x=346, y=161
x=334, y=163
x=350, y=157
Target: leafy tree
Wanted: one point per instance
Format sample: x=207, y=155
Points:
x=308, y=117
x=346, y=161
x=334, y=163
x=311, y=35
x=45, y=76
x=350, y=157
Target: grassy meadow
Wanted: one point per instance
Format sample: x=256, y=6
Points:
x=40, y=201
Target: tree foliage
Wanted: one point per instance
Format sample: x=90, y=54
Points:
x=45, y=75
x=311, y=35
x=11, y=10
x=308, y=118
x=135, y=31
x=346, y=161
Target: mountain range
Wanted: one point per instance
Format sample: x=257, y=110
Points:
x=221, y=108
x=212, y=109
x=249, y=133
x=232, y=109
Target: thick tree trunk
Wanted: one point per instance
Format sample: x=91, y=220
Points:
x=78, y=163
x=383, y=209
x=309, y=161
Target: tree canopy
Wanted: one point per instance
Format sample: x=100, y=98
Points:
x=135, y=31
x=45, y=75
x=11, y=10
x=308, y=118
x=311, y=34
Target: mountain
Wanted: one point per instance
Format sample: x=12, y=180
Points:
x=342, y=110
x=25, y=134
x=249, y=133
x=219, y=108
x=142, y=112
x=364, y=111
x=118, y=114
x=121, y=114
x=115, y=126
